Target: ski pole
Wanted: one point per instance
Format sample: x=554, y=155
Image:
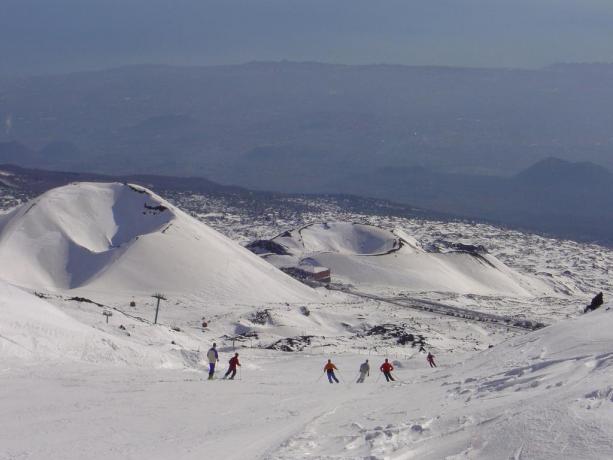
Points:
x=319, y=378
x=379, y=377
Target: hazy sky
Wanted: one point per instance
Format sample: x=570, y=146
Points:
x=41, y=36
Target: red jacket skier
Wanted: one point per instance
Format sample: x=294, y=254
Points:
x=387, y=369
x=232, y=369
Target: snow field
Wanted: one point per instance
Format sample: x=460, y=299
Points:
x=546, y=395
x=543, y=395
x=573, y=271
x=101, y=412
x=73, y=386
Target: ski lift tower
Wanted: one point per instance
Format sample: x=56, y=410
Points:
x=159, y=297
x=107, y=314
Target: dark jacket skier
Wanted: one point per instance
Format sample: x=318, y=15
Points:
x=364, y=371
x=430, y=359
x=597, y=302
x=387, y=369
x=329, y=369
x=213, y=358
x=232, y=367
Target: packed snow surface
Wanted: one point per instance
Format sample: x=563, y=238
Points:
x=543, y=395
x=123, y=238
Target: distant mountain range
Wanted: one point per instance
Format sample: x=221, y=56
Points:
x=480, y=143
x=37, y=181
x=294, y=126
x=565, y=199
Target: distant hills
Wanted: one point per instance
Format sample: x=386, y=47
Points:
x=291, y=126
x=519, y=147
x=565, y=199
x=37, y=181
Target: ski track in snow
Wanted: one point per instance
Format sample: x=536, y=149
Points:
x=514, y=408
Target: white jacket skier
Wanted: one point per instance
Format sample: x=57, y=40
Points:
x=213, y=358
x=364, y=371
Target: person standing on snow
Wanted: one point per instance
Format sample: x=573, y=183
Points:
x=364, y=371
x=232, y=369
x=430, y=359
x=329, y=369
x=387, y=369
x=213, y=358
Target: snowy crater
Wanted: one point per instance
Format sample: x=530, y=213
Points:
x=373, y=257
x=68, y=235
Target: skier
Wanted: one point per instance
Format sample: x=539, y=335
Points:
x=364, y=371
x=597, y=302
x=213, y=358
x=387, y=369
x=430, y=359
x=329, y=369
x=232, y=369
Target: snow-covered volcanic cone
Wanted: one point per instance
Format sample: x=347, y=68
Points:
x=123, y=238
x=366, y=255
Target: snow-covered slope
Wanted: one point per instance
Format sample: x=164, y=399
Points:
x=33, y=331
x=123, y=238
x=370, y=256
x=546, y=395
